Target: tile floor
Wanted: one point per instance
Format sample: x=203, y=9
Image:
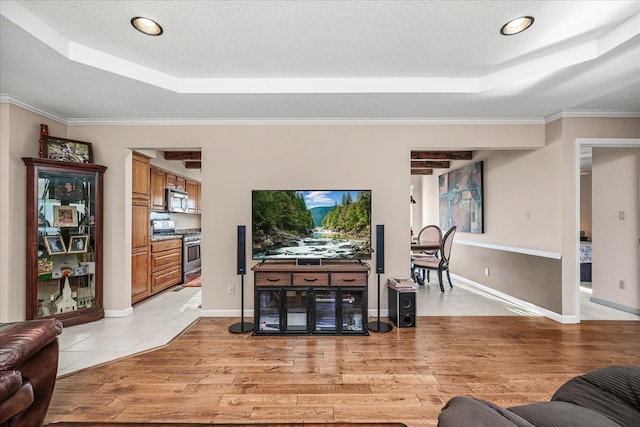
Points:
x=158, y=320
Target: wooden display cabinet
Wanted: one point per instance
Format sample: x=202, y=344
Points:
x=64, y=240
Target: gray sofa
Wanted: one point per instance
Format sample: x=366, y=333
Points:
x=607, y=397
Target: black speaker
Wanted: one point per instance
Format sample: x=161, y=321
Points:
x=242, y=255
x=379, y=248
x=402, y=307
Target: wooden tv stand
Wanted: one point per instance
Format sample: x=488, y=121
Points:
x=311, y=299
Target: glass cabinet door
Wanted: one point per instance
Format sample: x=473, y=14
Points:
x=66, y=242
x=325, y=310
x=64, y=256
x=296, y=309
x=269, y=310
x=352, y=309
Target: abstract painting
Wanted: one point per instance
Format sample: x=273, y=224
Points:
x=460, y=196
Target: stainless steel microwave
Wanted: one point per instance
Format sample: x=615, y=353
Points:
x=177, y=200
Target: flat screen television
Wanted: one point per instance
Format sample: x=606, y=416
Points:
x=322, y=224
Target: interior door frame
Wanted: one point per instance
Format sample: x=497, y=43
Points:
x=578, y=144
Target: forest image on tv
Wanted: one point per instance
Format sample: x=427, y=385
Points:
x=312, y=224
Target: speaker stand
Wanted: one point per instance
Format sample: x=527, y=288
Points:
x=242, y=327
x=379, y=326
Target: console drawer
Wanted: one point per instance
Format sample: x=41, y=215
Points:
x=272, y=279
x=310, y=279
x=348, y=279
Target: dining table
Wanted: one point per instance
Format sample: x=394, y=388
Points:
x=425, y=245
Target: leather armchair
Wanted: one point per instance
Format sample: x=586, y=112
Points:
x=28, y=370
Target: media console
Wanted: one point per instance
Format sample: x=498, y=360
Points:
x=311, y=299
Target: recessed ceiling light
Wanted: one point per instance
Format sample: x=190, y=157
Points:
x=146, y=25
x=516, y=26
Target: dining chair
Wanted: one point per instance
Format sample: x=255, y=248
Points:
x=429, y=233
x=441, y=264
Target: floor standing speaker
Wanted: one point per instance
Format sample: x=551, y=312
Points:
x=242, y=327
x=379, y=326
x=379, y=248
x=242, y=250
x=402, y=307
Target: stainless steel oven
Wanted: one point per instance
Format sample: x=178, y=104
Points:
x=191, y=262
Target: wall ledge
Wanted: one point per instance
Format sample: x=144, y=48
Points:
x=526, y=251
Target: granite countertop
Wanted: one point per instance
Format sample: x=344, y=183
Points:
x=165, y=237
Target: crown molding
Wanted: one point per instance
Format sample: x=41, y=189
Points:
x=336, y=121
x=564, y=114
x=5, y=98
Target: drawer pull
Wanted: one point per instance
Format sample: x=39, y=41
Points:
x=348, y=280
x=270, y=279
x=306, y=279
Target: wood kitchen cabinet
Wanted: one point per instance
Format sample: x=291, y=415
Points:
x=199, y=209
x=170, y=179
x=140, y=251
x=192, y=191
x=166, y=264
x=158, y=186
x=64, y=240
x=181, y=183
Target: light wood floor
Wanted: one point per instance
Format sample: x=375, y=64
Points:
x=210, y=375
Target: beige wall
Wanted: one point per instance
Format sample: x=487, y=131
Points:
x=573, y=129
x=585, y=205
x=539, y=176
x=541, y=181
x=238, y=159
x=615, y=241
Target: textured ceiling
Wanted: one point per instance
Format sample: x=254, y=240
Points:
x=320, y=60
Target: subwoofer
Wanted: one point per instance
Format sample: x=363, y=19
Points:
x=402, y=307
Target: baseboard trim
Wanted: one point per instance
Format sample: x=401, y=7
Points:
x=517, y=301
x=610, y=304
x=119, y=313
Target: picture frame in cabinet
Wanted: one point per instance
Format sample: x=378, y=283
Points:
x=55, y=245
x=66, y=150
x=78, y=244
x=65, y=216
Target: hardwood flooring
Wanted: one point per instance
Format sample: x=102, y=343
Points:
x=210, y=375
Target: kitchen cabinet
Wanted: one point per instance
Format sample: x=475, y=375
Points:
x=166, y=263
x=157, y=196
x=192, y=191
x=140, y=251
x=64, y=253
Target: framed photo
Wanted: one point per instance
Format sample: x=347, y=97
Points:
x=78, y=244
x=66, y=150
x=55, y=245
x=65, y=216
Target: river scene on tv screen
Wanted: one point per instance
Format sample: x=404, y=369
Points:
x=311, y=224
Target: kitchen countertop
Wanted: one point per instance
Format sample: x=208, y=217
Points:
x=165, y=237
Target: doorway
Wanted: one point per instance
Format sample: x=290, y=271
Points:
x=610, y=297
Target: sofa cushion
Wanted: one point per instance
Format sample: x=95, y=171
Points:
x=15, y=396
x=10, y=383
x=470, y=412
x=613, y=391
x=553, y=414
x=21, y=340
